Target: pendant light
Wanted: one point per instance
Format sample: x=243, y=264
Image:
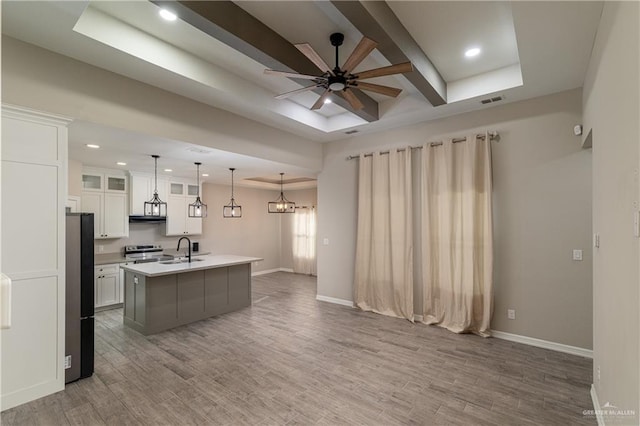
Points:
x=281, y=205
x=155, y=206
x=197, y=208
x=232, y=209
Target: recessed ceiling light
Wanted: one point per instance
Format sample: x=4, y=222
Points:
x=474, y=51
x=168, y=15
x=121, y=163
x=92, y=145
x=205, y=175
x=327, y=101
x=168, y=170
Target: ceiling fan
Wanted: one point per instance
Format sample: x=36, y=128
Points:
x=343, y=80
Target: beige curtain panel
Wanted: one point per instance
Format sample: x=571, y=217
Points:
x=457, y=249
x=304, y=241
x=384, y=251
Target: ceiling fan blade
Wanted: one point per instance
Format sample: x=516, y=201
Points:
x=384, y=90
x=361, y=51
x=321, y=99
x=291, y=75
x=352, y=99
x=293, y=92
x=313, y=56
x=391, y=69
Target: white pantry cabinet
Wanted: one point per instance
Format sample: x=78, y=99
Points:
x=105, y=195
x=107, y=285
x=34, y=168
x=181, y=194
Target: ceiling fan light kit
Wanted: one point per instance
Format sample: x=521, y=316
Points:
x=343, y=80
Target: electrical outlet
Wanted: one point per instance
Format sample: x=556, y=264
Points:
x=577, y=254
x=325, y=241
x=511, y=314
x=67, y=362
x=598, y=374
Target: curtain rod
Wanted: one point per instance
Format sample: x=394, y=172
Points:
x=492, y=136
x=305, y=207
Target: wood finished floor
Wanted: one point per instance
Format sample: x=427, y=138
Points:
x=290, y=359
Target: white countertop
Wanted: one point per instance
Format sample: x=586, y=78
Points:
x=156, y=269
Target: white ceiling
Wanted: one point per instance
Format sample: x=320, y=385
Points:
x=547, y=44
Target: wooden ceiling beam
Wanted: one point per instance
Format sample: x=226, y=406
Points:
x=376, y=20
x=235, y=27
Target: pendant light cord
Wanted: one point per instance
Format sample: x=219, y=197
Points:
x=155, y=174
x=198, y=178
x=281, y=190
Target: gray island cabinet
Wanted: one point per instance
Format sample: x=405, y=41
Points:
x=160, y=296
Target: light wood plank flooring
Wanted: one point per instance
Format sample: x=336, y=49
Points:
x=290, y=359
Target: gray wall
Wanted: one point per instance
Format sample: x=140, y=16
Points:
x=612, y=112
x=257, y=233
x=542, y=210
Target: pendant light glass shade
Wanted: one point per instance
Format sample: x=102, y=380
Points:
x=232, y=210
x=198, y=208
x=155, y=206
x=281, y=205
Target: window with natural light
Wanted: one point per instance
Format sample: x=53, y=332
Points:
x=304, y=241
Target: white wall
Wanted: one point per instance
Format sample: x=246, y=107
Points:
x=542, y=206
x=612, y=111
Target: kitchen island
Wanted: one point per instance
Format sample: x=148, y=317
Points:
x=162, y=295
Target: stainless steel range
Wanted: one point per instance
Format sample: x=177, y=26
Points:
x=145, y=253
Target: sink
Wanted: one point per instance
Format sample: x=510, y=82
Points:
x=178, y=261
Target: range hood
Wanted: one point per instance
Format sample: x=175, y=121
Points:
x=147, y=219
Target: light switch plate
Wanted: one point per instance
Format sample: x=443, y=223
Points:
x=325, y=241
x=577, y=254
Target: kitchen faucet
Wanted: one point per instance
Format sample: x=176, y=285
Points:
x=189, y=244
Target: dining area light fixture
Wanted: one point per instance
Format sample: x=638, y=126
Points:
x=232, y=210
x=281, y=205
x=155, y=206
x=198, y=208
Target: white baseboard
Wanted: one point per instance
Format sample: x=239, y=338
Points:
x=335, y=300
x=271, y=271
x=596, y=406
x=573, y=350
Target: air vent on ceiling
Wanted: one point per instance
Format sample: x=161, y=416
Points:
x=491, y=100
x=199, y=150
x=350, y=132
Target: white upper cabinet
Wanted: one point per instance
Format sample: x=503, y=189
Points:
x=141, y=190
x=181, y=194
x=104, y=193
x=104, y=182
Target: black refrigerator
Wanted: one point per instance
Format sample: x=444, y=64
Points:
x=79, y=297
